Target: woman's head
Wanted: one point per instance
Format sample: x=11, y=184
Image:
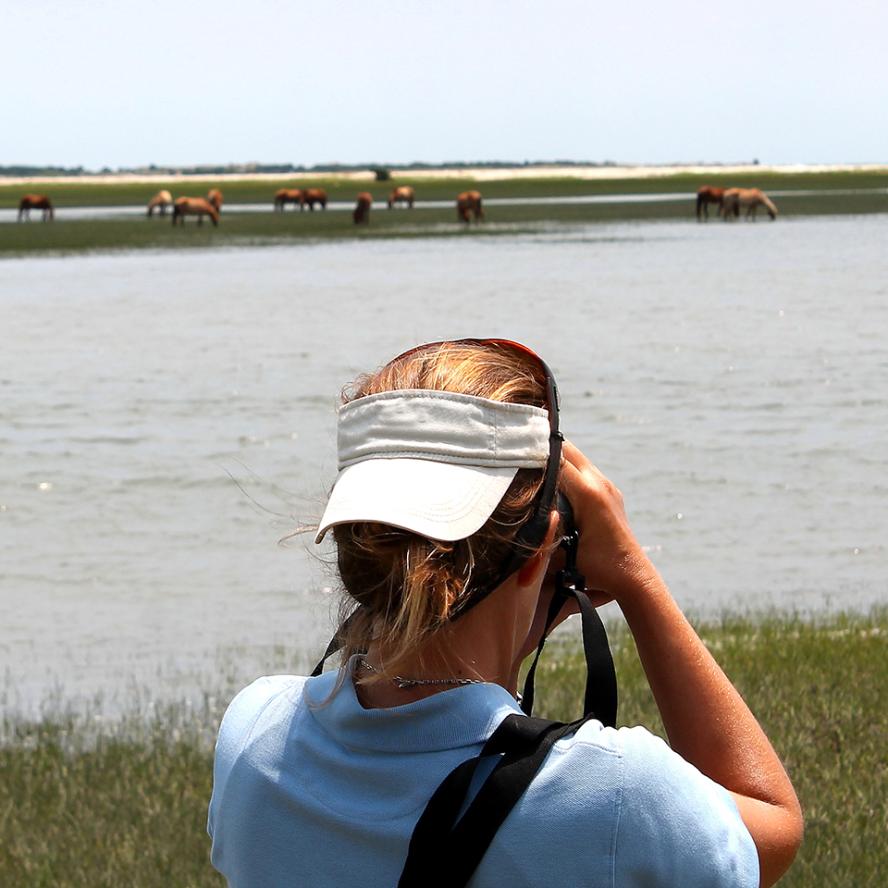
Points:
x=409, y=585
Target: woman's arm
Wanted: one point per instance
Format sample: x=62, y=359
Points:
x=706, y=720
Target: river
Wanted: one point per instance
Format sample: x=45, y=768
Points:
x=167, y=417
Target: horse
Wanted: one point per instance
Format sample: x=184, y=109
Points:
x=160, y=201
x=312, y=196
x=214, y=196
x=402, y=194
x=729, y=206
x=283, y=196
x=709, y=195
x=194, y=206
x=750, y=199
x=35, y=202
x=468, y=204
x=361, y=214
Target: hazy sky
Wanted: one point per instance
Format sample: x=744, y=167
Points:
x=210, y=81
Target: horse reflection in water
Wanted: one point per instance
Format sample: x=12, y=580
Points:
x=283, y=196
x=748, y=199
x=706, y=195
x=403, y=194
x=194, y=206
x=361, y=214
x=160, y=202
x=35, y=202
x=468, y=206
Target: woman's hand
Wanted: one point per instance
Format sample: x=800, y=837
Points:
x=609, y=556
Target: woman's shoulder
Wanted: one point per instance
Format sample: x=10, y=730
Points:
x=669, y=821
x=261, y=699
x=653, y=776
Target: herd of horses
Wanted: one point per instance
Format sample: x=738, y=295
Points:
x=730, y=201
x=468, y=203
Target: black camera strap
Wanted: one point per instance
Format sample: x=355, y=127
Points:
x=600, y=697
x=522, y=742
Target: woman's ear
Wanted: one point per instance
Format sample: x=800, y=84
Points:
x=532, y=570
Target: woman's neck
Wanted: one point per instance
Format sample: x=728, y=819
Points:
x=482, y=645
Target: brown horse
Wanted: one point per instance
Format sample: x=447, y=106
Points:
x=749, y=199
x=361, y=215
x=730, y=207
x=468, y=205
x=160, y=202
x=312, y=196
x=283, y=196
x=709, y=195
x=35, y=202
x=194, y=206
x=214, y=196
x=402, y=194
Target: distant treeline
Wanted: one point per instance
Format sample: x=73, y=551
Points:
x=210, y=169
x=42, y=171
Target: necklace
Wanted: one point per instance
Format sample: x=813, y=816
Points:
x=402, y=682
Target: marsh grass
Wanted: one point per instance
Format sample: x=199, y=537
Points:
x=87, y=802
x=67, y=194
x=820, y=690
x=269, y=229
x=836, y=193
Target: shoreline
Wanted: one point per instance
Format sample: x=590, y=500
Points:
x=480, y=174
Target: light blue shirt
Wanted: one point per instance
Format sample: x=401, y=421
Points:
x=310, y=791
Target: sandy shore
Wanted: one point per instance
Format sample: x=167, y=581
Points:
x=481, y=174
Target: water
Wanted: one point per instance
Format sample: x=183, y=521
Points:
x=730, y=379
x=116, y=212
x=119, y=212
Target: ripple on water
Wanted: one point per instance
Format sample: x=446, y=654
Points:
x=697, y=397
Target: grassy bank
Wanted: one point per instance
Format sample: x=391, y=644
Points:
x=68, y=194
x=257, y=229
x=85, y=804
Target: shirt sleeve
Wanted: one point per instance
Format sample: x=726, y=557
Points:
x=235, y=729
x=676, y=826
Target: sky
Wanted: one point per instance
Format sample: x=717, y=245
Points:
x=125, y=83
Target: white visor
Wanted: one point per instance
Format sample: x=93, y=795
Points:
x=434, y=463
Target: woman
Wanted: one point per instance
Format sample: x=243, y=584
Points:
x=445, y=529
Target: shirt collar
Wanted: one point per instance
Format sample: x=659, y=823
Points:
x=462, y=716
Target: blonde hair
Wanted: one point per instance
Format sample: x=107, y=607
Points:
x=401, y=587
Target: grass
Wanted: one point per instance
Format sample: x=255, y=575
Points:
x=84, y=803
x=820, y=690
x=836, y=193
x=67, y=194
x=257, y=229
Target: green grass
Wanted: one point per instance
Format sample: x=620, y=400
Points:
x=258, y=229
x=820, y=690
x=66, y=194
x=86, y=803
x=132, y=233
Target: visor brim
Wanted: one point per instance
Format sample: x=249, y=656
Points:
x=438, y=500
